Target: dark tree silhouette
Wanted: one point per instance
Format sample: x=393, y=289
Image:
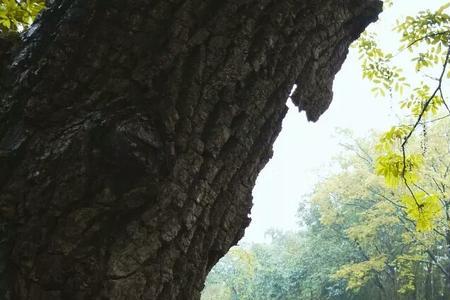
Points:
x=132, y=132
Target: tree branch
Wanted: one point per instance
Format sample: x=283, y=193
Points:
x=425, y=37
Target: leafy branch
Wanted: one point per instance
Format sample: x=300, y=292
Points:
x=430, y=31
x=418, y=120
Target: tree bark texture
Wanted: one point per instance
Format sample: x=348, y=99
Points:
x=132, y=132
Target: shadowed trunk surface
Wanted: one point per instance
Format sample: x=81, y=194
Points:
x=132, y=132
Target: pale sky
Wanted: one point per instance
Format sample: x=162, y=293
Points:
x=303, y=151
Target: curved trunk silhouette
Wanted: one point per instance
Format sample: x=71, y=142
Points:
x=132, y=132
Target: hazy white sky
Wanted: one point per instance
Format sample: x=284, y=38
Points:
x=303, y=151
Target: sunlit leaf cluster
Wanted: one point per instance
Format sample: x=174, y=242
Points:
x=423, y=209
x=416, y=101
x=395, y=168
x=377, y=67
x=428, y=33
x=392, y=138
x=17, y=15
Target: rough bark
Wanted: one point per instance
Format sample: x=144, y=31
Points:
x=132, y=132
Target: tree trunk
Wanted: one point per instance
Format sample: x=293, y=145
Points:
x=132, y=132
x=447, y=266
x=429, y=295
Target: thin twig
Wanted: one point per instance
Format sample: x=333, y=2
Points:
x=421, y=39
x=427, y=36
x=436, y=119
x=387, y=199
x=443, y=99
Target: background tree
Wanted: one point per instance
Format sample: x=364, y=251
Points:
x=358, y=240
